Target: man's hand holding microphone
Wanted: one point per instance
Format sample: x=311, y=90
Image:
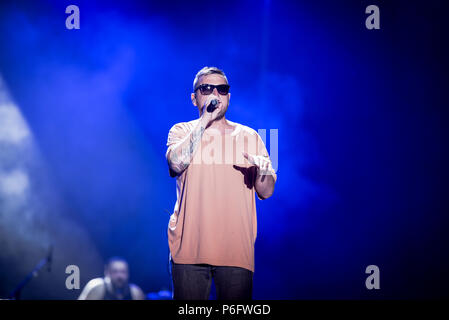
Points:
x=210, y=110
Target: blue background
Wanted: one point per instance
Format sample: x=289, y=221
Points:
x=362, y=117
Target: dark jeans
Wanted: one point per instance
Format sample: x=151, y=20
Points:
x=193, y=282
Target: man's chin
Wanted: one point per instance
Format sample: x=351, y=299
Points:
x=119, y=285
x=220, y=116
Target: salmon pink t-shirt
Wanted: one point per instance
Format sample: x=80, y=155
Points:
x=214, y=218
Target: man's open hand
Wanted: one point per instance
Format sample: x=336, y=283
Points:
x=262, y=163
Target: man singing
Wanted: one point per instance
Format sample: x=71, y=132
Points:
x=218, y=165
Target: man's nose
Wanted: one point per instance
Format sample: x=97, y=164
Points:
x=215, y=92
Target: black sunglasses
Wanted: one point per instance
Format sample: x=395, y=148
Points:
x=207, y=89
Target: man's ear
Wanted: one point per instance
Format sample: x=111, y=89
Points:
x=193, y=98
x=229, y=96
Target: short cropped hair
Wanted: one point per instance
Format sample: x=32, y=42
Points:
x=206, y=71
x=111, y=260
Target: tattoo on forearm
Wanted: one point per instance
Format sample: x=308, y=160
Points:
x=195, y=139
x=182, y=158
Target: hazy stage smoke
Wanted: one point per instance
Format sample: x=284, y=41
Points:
x=30, y=215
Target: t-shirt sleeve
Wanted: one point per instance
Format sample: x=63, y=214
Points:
x=176, y=134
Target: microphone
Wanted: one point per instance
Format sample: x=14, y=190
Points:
x=212, y=105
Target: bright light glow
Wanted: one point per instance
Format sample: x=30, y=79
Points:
x=14, y=133
x=13, y=183
x=12, y=126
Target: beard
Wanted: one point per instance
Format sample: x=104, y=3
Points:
x=120, y=284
